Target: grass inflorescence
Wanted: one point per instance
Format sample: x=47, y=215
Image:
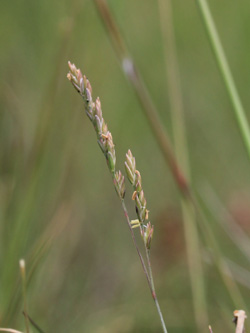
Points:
x=105, y=141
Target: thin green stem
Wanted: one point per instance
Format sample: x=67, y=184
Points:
x=33, y=323
x=23, y=275
x=135, y=243
x=148, y=273
x=225, y=72
x=195, y=264
x=181, y=150
x=153, y=290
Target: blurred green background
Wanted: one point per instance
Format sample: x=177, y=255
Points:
x=59, y=210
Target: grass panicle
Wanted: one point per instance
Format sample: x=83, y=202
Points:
x=105, y=141
x=94, y=112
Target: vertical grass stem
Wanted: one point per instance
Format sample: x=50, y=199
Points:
x=225, y=72
x=148, y=273
x=181, y=151
x=23, y=276
x=153, y=290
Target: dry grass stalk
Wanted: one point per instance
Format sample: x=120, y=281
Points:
x=239, y=319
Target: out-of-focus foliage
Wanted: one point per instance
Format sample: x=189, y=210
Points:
x=59, y=209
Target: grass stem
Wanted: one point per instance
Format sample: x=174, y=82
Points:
x=148, y=274
x=23, y=275
x=181, y=150
x=153, y=290
x=225, y=72
x=105, y=140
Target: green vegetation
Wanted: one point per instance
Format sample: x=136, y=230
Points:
x=58, y=208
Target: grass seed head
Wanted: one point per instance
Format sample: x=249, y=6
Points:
x=120, y=181
x=147, y=234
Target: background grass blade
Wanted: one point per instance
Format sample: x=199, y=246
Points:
x=225, y=72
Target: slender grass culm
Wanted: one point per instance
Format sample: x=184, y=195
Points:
x=23, y=276
x=105, y=141
x=28, y=320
